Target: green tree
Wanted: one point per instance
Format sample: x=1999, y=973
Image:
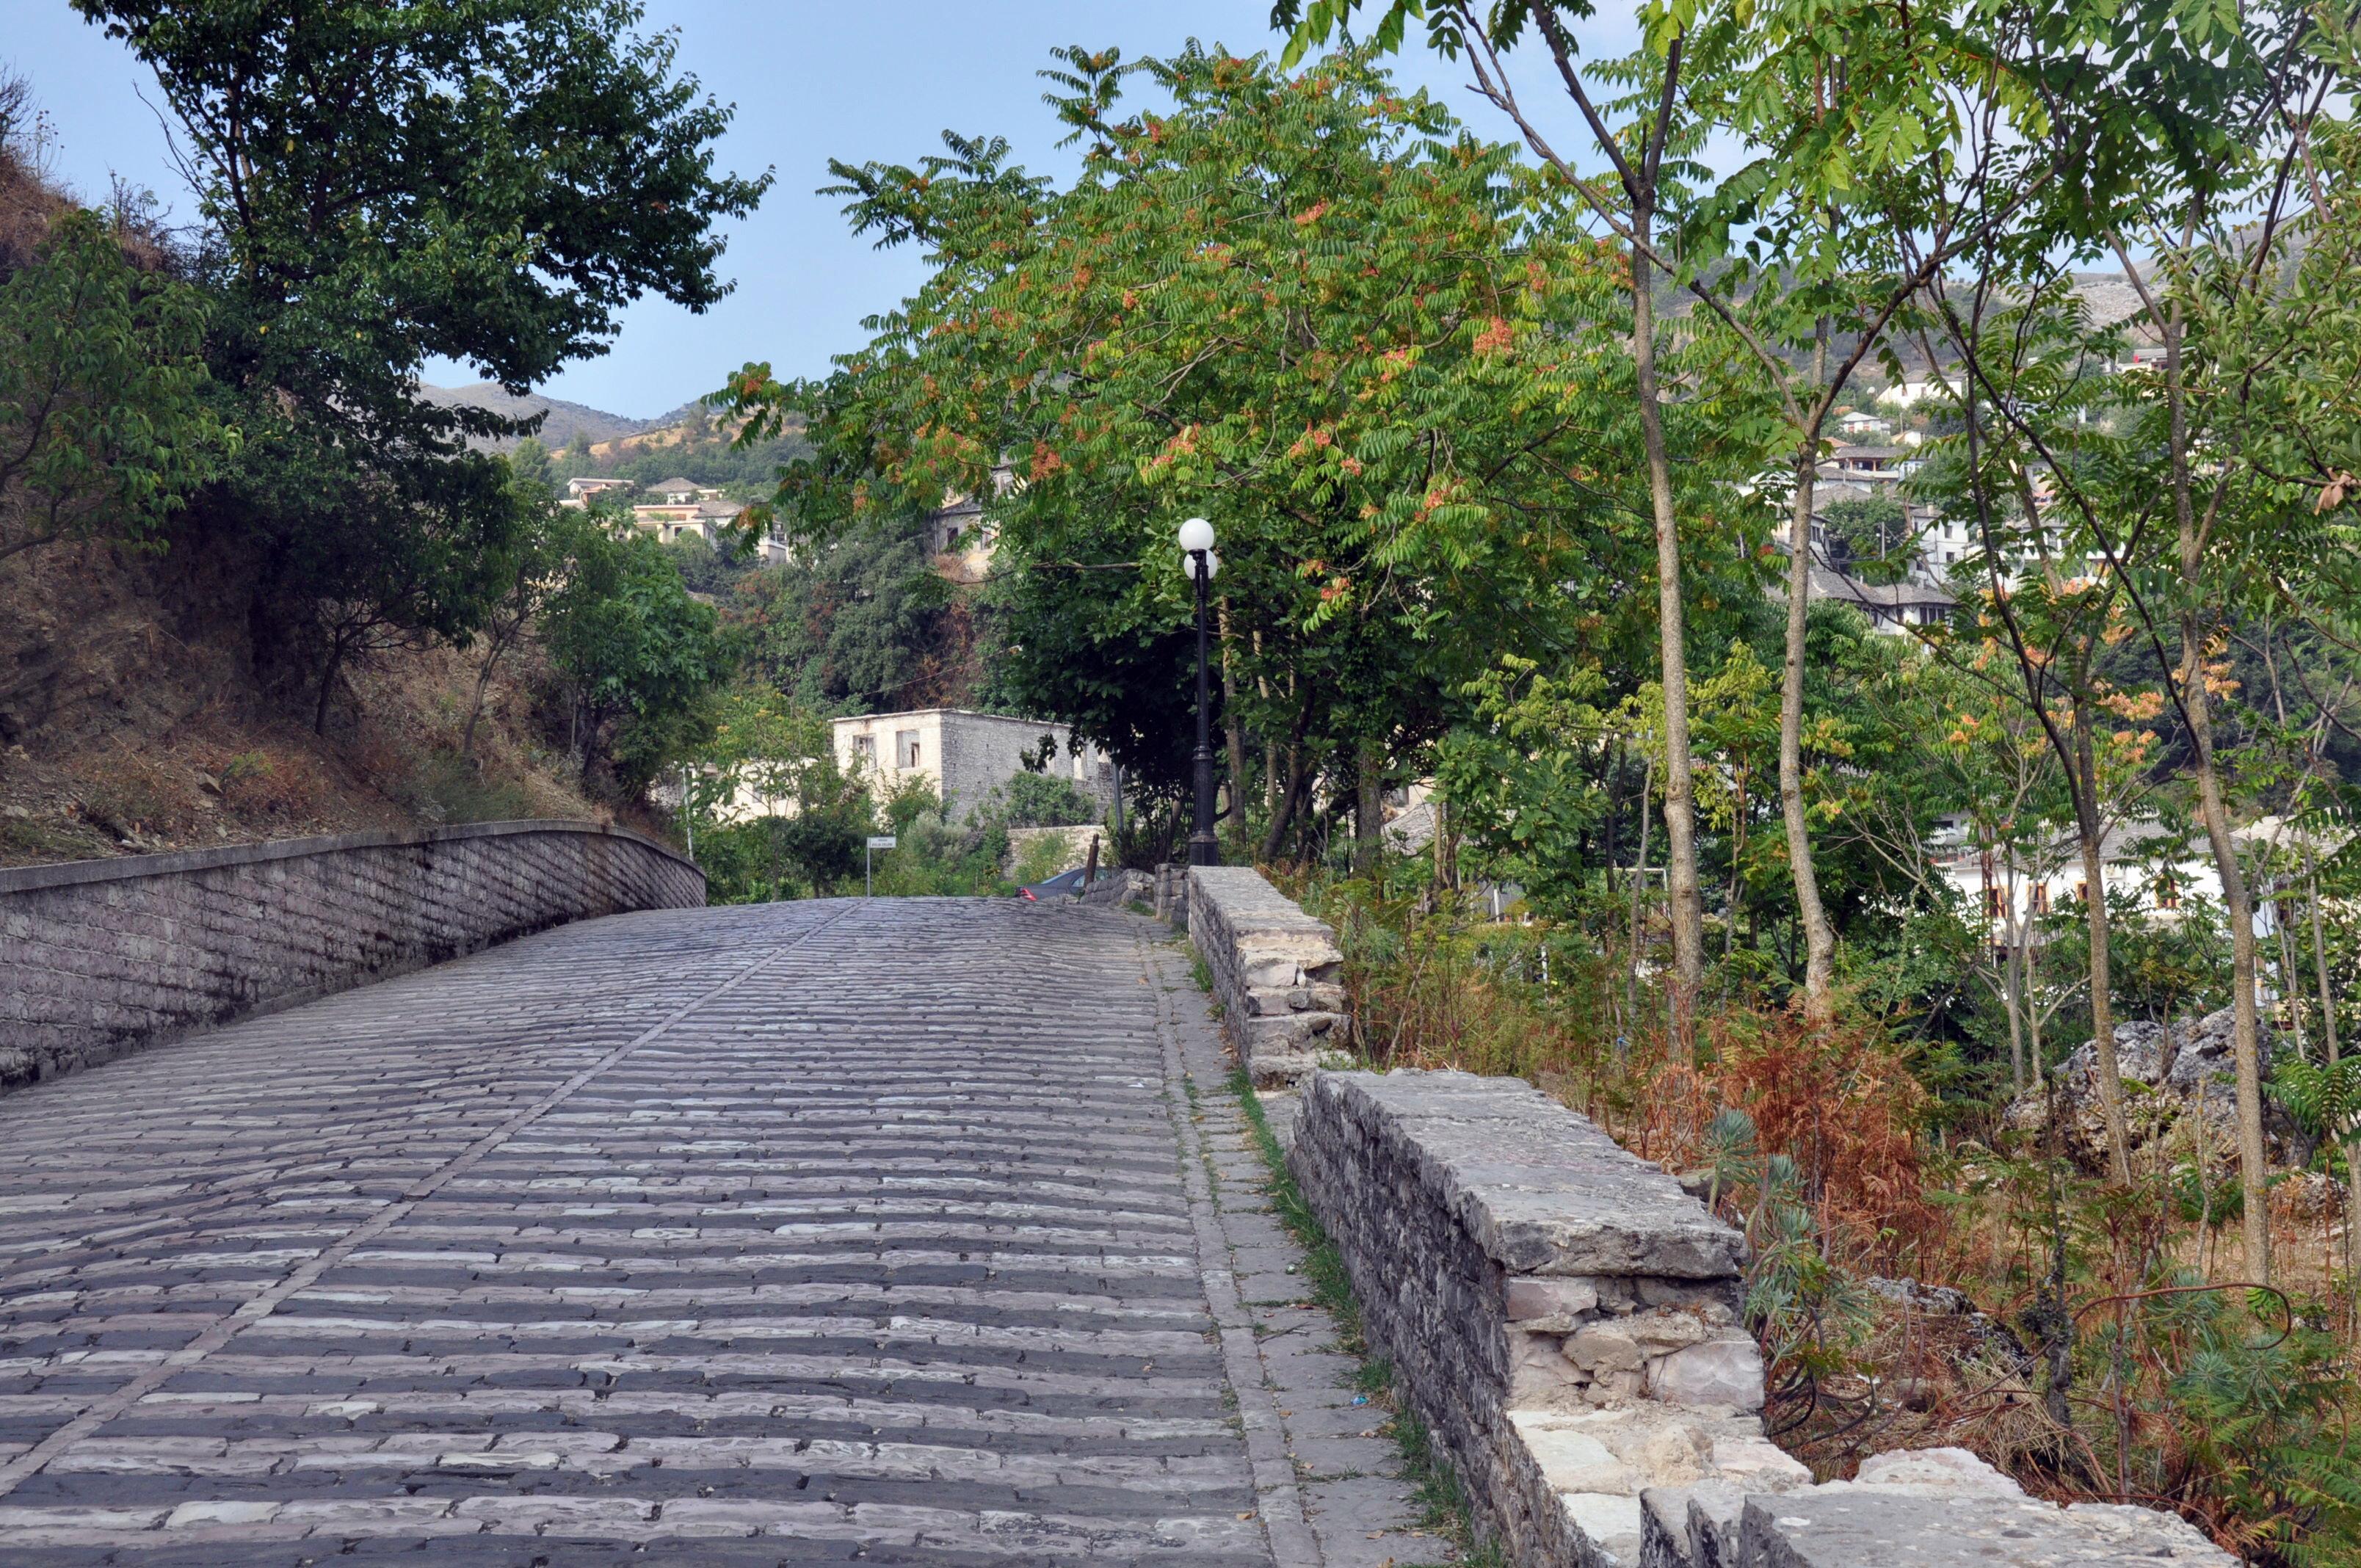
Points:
x=856, y=623
x=1312, y=308
x=529, y=462
x=2210, y=492
x=1039, y=800
x=397, y=179
x=638, y=658
x=777, y=815
x=391, y=180
x=1867, y=532
x=104, y=422
x=1864, y=152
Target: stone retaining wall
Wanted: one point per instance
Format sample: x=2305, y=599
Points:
x=1277, y=972
x=1564, y=1320
x=98, y=957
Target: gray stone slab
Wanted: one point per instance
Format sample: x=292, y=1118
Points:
x=1867, y=1528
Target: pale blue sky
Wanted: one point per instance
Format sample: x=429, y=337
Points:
x=811, y=81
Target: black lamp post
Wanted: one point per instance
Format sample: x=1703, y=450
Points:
x=1197, y=558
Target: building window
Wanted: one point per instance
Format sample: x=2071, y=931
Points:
x=2037, y=900
x=1996, y=903
x=2167, y=893
x=864, y=748
x=2081, y=893
x=906, y=748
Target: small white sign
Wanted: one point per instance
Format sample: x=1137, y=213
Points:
x=881, y=841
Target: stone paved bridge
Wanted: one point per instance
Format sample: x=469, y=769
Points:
x=905, y=1231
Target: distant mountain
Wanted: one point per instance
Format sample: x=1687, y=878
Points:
x=564, y=421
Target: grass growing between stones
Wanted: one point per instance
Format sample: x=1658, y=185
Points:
x=1443, y=1504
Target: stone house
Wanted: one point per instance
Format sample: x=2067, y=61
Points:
x=963, y=755
x=583, y=486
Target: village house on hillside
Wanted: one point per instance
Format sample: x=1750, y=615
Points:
x=964, y=756
x=675, y=509
x=681, y=507
x=2157, y=871
x=583, y=486
x=957, y=538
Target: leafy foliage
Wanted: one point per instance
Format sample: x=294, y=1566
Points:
x=640, y=659
x=1312, y=308
x=105, y=424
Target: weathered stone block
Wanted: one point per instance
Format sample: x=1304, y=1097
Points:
x=1721, y=1373
x=1542, y=1305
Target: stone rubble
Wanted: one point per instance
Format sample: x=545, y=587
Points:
x=2196, y=1077
x=1943, y=1507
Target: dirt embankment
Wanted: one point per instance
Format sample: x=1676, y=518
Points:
x=135, y=717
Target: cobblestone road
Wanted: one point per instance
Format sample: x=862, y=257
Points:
x=899, y=1231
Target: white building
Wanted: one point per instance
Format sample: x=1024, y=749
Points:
x=2138, y=861
x=1907, y=394
x=964, y=756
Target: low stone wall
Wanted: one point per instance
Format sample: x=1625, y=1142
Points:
x=1564, y=1320
x=1120, y=886
x=1277, y=972
x=99, y=958
x=1171, y=896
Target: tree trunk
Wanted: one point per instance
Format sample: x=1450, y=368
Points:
x=2319, y=957
x=483, y=685
x=327, y=687
x=1282, y=814
x=1736, y=867
x=1368, y=808
x=2328, y=1044
x=1271, y=768
x=1819, y=939
x=2014, y=978
x=1639, y=885
x=2087, y=828
x=2245, y=1038
x=1686, y=909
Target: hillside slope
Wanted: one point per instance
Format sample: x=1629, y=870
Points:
x=136, y=719
x=564, y=422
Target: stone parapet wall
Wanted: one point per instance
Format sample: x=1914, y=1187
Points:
x=1171, y=896
x=1120, y=886
x=1935, y=1508
x=1565, y=1318
x=98, y=957
x=1278, y=972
